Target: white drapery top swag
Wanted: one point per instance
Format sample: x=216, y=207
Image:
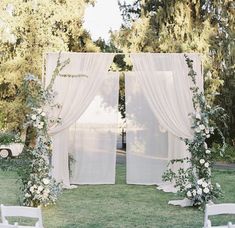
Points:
x=74, y=94
x=169, y=96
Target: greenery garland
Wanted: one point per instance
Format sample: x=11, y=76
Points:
x=195, y=182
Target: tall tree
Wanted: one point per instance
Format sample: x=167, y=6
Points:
x=29, y=28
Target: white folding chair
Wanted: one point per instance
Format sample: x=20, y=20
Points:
x=2, y=225
x=18, y=211
x=217, y=209
x=230, y=225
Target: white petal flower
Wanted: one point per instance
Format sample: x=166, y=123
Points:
x=207, y=131
x=189, y=194
x=200, y=181
x=206, y=190
x=40, y=188
x=31, y=189
x=194, y=192
x=208, y=151
x=202, y=161
x=27, y=195
x=205, y=145
x=204, y=184
x=218, y=185
x=206, y=164
x=46, y=181
x=39, y=110
x=197, y=129
x=43, y=114
x=208, y=136
x=199, y=191
x=198, y=116
x=39, y=126
x=201, y=126
x=188, y=186
x=33, y=117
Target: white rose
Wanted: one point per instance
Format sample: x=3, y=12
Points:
x=206, y=190
x=198, y=116
x=204, y=184
x=202, y=161
x=27, y=195
x=194, y=192
x=199, y=191
x=33, y=117
x=200, y=181
x=39, y=110
x=188, y=186
x=40, y=125
x=208, y=151
x=40, y=188
x=197, y=130
x=189, y=194
x=201, y=126
x=207, y=164
x=45, y=181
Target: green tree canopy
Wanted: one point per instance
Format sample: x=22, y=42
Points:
x=27, y=30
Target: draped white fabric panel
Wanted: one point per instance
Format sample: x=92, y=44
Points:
x=169, y=97
x=165, y=87
x=93, y=137
x=147, y=143
x=74, y=94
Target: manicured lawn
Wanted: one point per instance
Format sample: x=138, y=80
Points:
x=119, y=205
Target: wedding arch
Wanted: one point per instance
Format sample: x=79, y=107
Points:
x=158, y=102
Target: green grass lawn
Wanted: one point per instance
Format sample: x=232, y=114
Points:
x=119, y=205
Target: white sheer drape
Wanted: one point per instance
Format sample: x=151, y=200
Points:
x=74, y=94
x=93, y=137
x=169, y=96
x=146, y=143
x=165, y=84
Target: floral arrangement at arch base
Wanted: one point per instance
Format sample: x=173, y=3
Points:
x=194, y=183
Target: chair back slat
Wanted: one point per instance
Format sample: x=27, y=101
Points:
x=2, y=225
x=18, y=211
x=218, y=209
